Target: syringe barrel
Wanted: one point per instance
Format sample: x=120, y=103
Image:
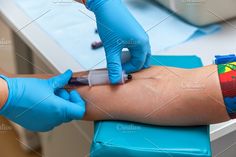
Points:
x=101, y=77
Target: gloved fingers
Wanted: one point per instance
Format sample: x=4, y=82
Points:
x=61, y=80
x=148, y=59
x=63, y=94
x=75, y=109
x=76, y=98
x=136, y=63
x=114, y=65
x=140, y=55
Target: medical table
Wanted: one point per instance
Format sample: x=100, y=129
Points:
x=202, y=12
x=53, y=54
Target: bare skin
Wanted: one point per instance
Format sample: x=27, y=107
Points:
x=160, y=96
x=4, y=92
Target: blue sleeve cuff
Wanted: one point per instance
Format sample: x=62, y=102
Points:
x=224, y=59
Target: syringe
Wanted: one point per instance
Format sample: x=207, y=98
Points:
x=96, y=77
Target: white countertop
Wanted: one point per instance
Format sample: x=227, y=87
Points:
x=51, y=53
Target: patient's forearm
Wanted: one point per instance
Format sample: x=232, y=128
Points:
x=160, y=95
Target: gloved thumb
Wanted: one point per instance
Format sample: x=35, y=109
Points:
x=61, y=80
x=76, y=107
x=114, y=66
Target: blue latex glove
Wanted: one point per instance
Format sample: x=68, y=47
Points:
x=41, y=105
x=118, y=29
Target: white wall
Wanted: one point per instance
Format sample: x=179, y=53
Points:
x=7, y=60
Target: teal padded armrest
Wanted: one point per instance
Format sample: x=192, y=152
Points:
x=117, y=138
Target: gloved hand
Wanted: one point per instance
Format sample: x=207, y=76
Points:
x=41, y=105
x=118, y=29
